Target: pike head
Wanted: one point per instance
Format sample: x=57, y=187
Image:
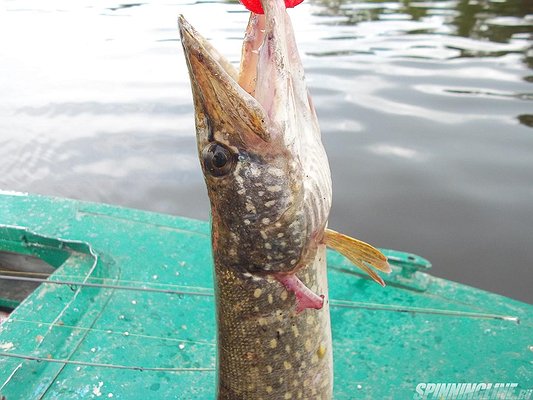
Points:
x=259, y=145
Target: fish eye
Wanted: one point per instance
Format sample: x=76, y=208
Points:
x=218, y=159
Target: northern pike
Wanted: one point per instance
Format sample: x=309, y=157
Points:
x=269, y=186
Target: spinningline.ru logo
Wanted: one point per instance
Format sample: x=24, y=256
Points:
x=464, y=391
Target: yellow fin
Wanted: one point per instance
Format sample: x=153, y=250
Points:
x=359, y=253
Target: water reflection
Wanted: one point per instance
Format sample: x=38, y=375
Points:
x=126, y=5
x=483, y=20
x=385, y=149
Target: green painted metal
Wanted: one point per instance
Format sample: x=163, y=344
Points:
x=136, y=319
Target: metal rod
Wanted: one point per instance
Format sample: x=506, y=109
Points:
x=104, y=286
x=419, y=310
x=111, y=332
x=102, y=365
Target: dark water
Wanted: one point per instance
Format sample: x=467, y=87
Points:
x=426, y=111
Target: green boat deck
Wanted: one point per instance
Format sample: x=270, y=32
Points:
x=128, y=313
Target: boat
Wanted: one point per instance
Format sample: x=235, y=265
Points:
x=120, y=305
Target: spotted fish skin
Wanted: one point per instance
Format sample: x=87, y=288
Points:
x=269, y=186
x=266, y=349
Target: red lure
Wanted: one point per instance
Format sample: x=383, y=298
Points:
x=256, y=7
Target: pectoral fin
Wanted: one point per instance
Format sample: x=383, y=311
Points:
x=360, y=253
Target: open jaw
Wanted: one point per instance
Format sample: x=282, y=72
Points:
x=270, y=81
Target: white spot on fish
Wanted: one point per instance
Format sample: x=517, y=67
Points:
x=265, y=221
x=241, y=191
x=270, y=203
x=274, y=188
x=257, y=293
x=268, y=246
x=273, y=343
x=275, y=171
x=295, y=331
x=261, y=193
x=250, y=207
x=254, y=171
x=281, y=234
x=246, y=222
x=263, y=235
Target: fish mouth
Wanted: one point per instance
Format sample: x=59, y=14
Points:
x=219, y=100
x=267, y=98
